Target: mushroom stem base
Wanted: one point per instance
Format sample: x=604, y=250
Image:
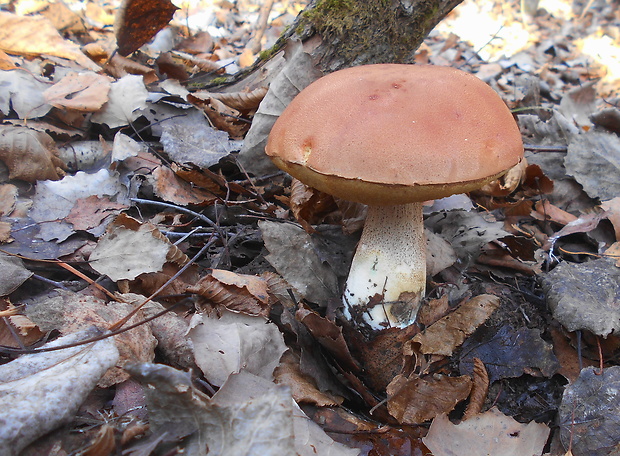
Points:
x=387, y=280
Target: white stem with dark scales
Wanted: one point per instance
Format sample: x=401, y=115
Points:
x=390, y=260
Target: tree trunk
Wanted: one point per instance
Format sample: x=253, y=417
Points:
x=359, y=32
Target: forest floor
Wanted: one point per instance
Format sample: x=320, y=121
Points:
x=164, y=289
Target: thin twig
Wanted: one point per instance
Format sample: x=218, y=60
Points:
x=536, y=148
x=117, y=328
x=198, y=215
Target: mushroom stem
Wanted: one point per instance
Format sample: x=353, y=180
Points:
x=390, y=261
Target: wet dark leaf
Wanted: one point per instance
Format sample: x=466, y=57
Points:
x=510, y=353
x=589, y=413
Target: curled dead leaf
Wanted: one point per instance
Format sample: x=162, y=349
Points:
x=191, y=61
x=433, y=310
x=303, y=387
x=30, y=155
x=508, y=183
x=170, y=187
x=584, y=224
x=242, y=293
x=514, y=177
x=612, y=208
x=308, y=205
x=547, y=211
x=222, y=116
x=242, y=101
x=479, y=390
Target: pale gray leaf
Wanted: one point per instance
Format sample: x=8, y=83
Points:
x=585, y=296
x=191, y=140
x=42, y=391
x=294, y=254
x=593, y=159
x=298, y=72
x=12, y=273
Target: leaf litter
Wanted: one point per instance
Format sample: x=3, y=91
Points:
x=168, y=168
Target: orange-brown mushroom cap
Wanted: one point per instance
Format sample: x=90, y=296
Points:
x=394, y=134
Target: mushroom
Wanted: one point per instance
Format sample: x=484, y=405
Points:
x=392, y=136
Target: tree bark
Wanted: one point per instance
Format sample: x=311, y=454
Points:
x=359, y=32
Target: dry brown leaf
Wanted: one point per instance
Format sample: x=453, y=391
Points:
x=84, y=92
x=235, y=342
x=308, y=205
x=491, y=433
x=498, y=257
x=170, y=330
x=242, y=293
x=30, y=155
x=612, y=208
x=547, y=211
x=246, y=58
x=433, y=310
x=6, y=63
x=137, y=21
x=536, y=182
x=382, y=356
x=88, y=213
x=570, y=361
x=104, y=442
x=28, y=333
x=36, y=35
x=126, y=100
x=222, y=116
x=64, y=19
x=5, y=232
x=149, y=283
x=174, y=255
x=169, y=187
x=329, y=336
x=190, y=61
x=508, y=183
x=8, y=198
x=197, y=43
x=303, y=388
x=204, y=179
x=444, y=336
x=119, y=66
x=614, y=252
x=584, y=224
x=279, y=289
x=242, y=101
x=353, y=215
x=419, y=399
x=513, y=178
x=479, y=390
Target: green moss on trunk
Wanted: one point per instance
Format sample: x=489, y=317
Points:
x=375, y=30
